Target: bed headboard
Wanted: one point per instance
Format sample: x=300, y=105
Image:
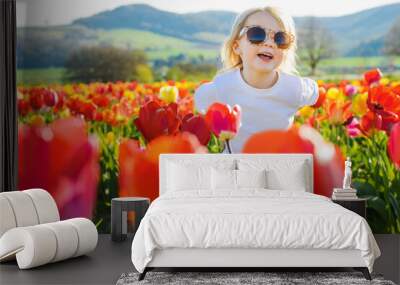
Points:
x=212, y=159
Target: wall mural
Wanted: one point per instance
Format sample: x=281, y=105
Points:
x=97, y=105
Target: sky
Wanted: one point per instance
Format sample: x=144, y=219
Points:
x=59, y=12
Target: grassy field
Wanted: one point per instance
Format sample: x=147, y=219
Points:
x=156, y=46
x=359, y=61
x=334, y=69
x=34, y=76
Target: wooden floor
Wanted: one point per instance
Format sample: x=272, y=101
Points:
x=102, y=266
x=110, y=259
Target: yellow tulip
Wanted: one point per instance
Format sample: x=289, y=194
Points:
x=110, y=138
x=68, y=89
x=384, y=81
x=169, y=94
x=306, y=111
x=359, y=104
x=129, y=94
x=333, y=93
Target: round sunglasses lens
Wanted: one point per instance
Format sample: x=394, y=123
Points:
x=256, y=35
x=282, y=39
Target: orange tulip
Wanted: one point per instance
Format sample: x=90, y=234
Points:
x=139, y=174
x=337, y=112
x=328, y=159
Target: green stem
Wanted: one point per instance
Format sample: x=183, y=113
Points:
x=229, y=146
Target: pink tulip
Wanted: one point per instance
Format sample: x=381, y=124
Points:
x=223, y=120
x=353, y=129
x=393, y=145
x=63, y=160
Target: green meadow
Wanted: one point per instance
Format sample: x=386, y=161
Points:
x=334, y=69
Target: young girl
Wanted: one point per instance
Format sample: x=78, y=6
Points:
x=259, y=74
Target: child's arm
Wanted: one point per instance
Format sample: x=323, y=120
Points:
x=309, y=92
x=204, y=96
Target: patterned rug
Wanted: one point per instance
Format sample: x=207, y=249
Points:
x=242, y=278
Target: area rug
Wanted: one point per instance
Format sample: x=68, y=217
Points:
x=242, y=278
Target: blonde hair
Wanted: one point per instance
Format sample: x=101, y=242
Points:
x=231, y=60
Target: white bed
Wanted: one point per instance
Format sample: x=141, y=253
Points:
x=249, y=227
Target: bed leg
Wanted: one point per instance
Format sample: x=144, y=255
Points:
x=143, y=274
x=364, y=271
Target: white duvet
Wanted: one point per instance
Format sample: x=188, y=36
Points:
x=250, y=218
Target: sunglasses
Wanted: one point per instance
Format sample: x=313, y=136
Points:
x=258, y=35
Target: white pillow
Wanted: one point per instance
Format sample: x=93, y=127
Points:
x=294, y=180
x=282, y=174
x=228, y=179
x=223, y=179
x=251, y=178
x=181, y=177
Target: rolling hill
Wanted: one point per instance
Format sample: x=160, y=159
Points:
x=162, y=34
x=349, y=31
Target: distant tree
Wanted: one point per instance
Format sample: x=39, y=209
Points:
x=42, y=47
x=392, y=39
x=144, y=73
x=104, y=64
x=315, y=43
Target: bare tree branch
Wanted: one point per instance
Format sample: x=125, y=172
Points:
x=392, y=39
x=315, y=43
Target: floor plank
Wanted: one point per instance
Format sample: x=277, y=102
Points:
x=102, y=266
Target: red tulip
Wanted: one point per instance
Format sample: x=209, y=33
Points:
x=23, y=107
x=101, y=100
x=372, y=76
x=63, y=160
x=321, y=97
x=328, y=159
x=36, y=98
x=136, y=163
x=370, y=122
x=393, y=145
x=98, y=116
x=88, y=109
x=386, y=104
x=155, y=120
x=60, y=101
x=223, y=120
x=196, y=125
x=50, y=97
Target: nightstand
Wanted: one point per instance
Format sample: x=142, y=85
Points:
x=119, y=211
x=358, y=205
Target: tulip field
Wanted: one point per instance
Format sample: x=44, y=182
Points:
x=88, y=143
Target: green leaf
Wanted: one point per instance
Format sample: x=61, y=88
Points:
x=395, y=205
x=379, y=206
x=364, y=189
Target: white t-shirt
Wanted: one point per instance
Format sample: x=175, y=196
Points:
x=262, y=109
